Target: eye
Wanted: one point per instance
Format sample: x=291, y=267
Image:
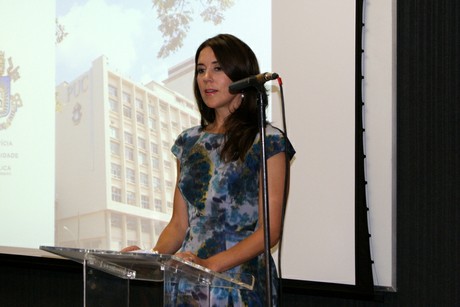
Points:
x=199, y=70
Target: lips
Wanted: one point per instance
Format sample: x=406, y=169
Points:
x=210, y=91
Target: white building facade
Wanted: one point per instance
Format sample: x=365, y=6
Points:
x=115, y=173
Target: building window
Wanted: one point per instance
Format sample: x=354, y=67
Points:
x=114, y=148
x=152, y=124
x=166, y=146
x=145, y=201
x=164, y=107
x=116, y=194
x=113, y=91
x=113, y=105
x=152, y=111
x=156, y=183
x=131, y=198
x=140, y=118
x=126, y=98
x=116, y=171
x=154, y=148
x=115, y=220
x=144, y=178
x=158, y=204
x=114, y=133
x=146, y=226
x=155, y=163
x=130, y=175
x=129, y=153
x=142, y=157
x=127, y=112
x=131, y=223
x=132, y=242
x=141, y=143
x=139, y=104
x=128, y=138
x=159, y=226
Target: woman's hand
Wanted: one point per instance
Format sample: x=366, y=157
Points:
x=130, y=248
x=191, y=257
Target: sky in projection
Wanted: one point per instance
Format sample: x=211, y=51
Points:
x=127, y=33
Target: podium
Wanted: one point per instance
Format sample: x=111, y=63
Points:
x=107, y=275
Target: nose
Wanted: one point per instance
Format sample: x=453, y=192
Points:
x=207, y=75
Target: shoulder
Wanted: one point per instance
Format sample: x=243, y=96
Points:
x=277, y=141
x=272, y=133
x=192, y=131
x=185, y=140
x=271, y=130
x=189, y=133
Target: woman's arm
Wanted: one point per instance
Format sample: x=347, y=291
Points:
x=254, y=244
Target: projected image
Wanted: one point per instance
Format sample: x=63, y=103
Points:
x=94, y=92
x=123, y=93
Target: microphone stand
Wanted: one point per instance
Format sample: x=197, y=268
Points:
x=262, y=119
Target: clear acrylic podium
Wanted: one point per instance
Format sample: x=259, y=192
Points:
x=107, y=276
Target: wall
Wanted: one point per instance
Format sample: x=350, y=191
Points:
x=428, y=143
x=316, y=60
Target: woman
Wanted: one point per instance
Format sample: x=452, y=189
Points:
x=217, y=219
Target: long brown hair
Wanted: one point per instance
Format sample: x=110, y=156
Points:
x=238, y=61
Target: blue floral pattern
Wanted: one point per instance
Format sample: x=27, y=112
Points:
x=222, y=202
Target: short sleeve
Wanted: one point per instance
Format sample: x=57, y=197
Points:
x=276, y=142
x=185, y=141
x=177, y=147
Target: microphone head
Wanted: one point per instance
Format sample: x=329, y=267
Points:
x=270, y=76
x=256, y=81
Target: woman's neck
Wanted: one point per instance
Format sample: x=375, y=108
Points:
x=215, y=127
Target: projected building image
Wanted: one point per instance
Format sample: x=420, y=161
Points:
x=115, y=173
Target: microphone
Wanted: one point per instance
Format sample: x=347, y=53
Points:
x=252, y=81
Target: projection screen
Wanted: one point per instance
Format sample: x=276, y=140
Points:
x=67, y=72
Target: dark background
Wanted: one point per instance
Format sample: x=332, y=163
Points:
x=428, y=182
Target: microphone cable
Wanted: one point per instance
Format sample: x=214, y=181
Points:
x=286, y=191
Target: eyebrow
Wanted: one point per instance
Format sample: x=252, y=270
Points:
x=213, y=62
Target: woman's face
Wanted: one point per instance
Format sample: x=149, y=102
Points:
x=213, y=84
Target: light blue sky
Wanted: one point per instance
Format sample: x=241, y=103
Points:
x=127, y=33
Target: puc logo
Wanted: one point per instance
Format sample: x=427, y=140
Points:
x=9, y=103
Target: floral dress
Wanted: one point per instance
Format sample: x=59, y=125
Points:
x=222, y=202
